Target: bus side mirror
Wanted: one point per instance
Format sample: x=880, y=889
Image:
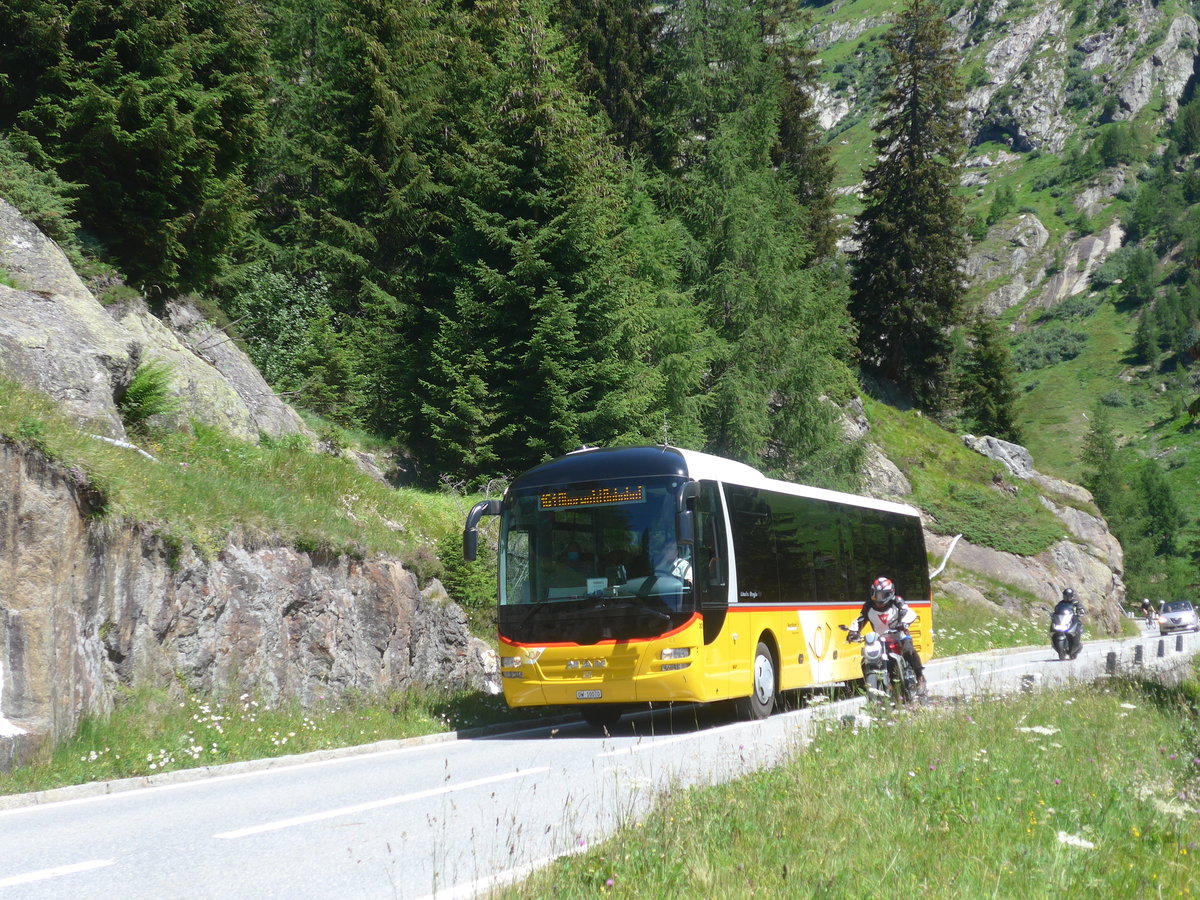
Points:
x=685, y=528
x=471, y=530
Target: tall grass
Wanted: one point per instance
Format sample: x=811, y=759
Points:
x=961, y=629
x=147, y=396
x=1087, y=792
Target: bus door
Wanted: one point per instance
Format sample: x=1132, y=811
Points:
x=715, y=579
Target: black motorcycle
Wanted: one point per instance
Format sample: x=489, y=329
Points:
x=1066, y=631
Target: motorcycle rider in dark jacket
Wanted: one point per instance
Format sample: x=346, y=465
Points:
x=1069, y=598
x=885, y=609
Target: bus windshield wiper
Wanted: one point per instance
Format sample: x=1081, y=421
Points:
x=623, y=604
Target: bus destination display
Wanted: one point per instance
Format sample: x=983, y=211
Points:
x=592, y=497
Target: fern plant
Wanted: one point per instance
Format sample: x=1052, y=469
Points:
x=149, y=394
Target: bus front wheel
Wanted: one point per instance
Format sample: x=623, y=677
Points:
x=601, y=716
x=762, y=694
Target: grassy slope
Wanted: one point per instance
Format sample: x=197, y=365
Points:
x=206, y=485
x=953, y=485
x=1091, y=791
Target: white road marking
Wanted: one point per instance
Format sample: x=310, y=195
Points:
x=374, y=804
x=56, y=872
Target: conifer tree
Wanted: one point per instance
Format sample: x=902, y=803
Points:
x=907, y=286
x=1100, y=455
x=356, y=120
x=540, y=345
x=1164, y=517
x=1146, y=337
x=988, y=384
x=155, y=110
x=801, y=148
x=349, y=176
x=780, y=331
x=619, y=68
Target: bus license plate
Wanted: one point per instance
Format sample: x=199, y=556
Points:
x=588, y=695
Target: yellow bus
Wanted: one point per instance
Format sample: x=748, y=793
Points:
x=635, y=575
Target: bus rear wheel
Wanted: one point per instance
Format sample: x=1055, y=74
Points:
x=761, y=701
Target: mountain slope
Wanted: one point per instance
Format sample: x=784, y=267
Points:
x=1070, y=108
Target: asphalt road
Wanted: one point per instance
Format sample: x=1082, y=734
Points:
x=442, y=817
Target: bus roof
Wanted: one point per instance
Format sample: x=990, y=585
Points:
x=599, y=463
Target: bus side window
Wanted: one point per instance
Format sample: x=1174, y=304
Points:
x=755, y=553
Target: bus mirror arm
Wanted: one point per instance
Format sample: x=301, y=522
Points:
x=938, y=571
x=471, y=532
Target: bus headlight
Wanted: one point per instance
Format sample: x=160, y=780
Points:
x=510, y=662
x=517, y=674
x=675, y=653
x=672, y=667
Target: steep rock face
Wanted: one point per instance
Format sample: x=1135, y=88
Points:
x=1143, y=53
x=56, y=337
x=1021, y=65
x=1022, y=95
x=1074, y=276
x=1068, y=563
x=211, y=377
x=86, y=606
x=1088, y=558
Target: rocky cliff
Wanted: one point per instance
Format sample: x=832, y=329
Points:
x=56, y=337
x=1041, y=76
x=85, y=608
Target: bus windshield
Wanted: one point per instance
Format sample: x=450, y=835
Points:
x=608, y=545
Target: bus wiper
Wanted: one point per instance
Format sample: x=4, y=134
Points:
x=610, y=603
x=535, y=608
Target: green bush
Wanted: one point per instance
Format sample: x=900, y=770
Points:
x=1010, y=523
x=1074, y=307
x=292, y=335
x=1046, y=346
x=472, y=585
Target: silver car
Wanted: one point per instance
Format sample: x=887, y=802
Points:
x=1177, y=615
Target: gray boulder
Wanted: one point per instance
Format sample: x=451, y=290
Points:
x=56, y=338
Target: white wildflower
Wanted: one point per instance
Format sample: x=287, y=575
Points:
x=1074, y=840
